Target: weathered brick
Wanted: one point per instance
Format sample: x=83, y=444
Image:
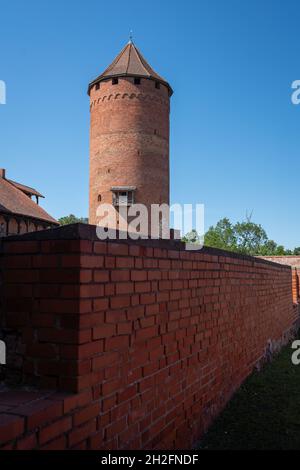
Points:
x=116, y=342
x=27, y=443
x=80, y=433
x=104, y=331
x=86, y=414
x=55, y=430
x=39, y=412
x=11, y=426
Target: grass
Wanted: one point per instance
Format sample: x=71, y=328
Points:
x=264, y=413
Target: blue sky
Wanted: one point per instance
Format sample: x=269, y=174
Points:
x=235, y=135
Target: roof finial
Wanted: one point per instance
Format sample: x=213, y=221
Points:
x=131, y=37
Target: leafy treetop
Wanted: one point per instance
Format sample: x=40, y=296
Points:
x=244, y=237
x=72, y=219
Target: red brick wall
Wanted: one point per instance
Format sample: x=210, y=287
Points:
x=149, y=340
x=296, y=285
x=294, y=262
x=291, y=260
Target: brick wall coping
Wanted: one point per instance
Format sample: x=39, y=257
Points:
x=80, y=231
x=291, y=260
x=282, y=257
x=33, y=419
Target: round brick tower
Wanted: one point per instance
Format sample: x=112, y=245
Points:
x=129, y=134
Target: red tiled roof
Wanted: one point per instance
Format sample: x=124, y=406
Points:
x=130, y=62
x=26, y=189
x=14, y=201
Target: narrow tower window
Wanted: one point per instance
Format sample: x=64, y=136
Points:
x=137, y=81
x=157, y=85
x=97, y=86
x=115, y=81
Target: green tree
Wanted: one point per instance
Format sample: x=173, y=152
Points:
x=222, y=236
x=72, y=219
x=244, y=237
x=296, y=251
x=268, y=249
x=250, y=237
x=280, y=251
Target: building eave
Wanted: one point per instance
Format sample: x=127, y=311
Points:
x=125, y=75
x=29, y=217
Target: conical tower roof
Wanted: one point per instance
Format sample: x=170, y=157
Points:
x=130, y=63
